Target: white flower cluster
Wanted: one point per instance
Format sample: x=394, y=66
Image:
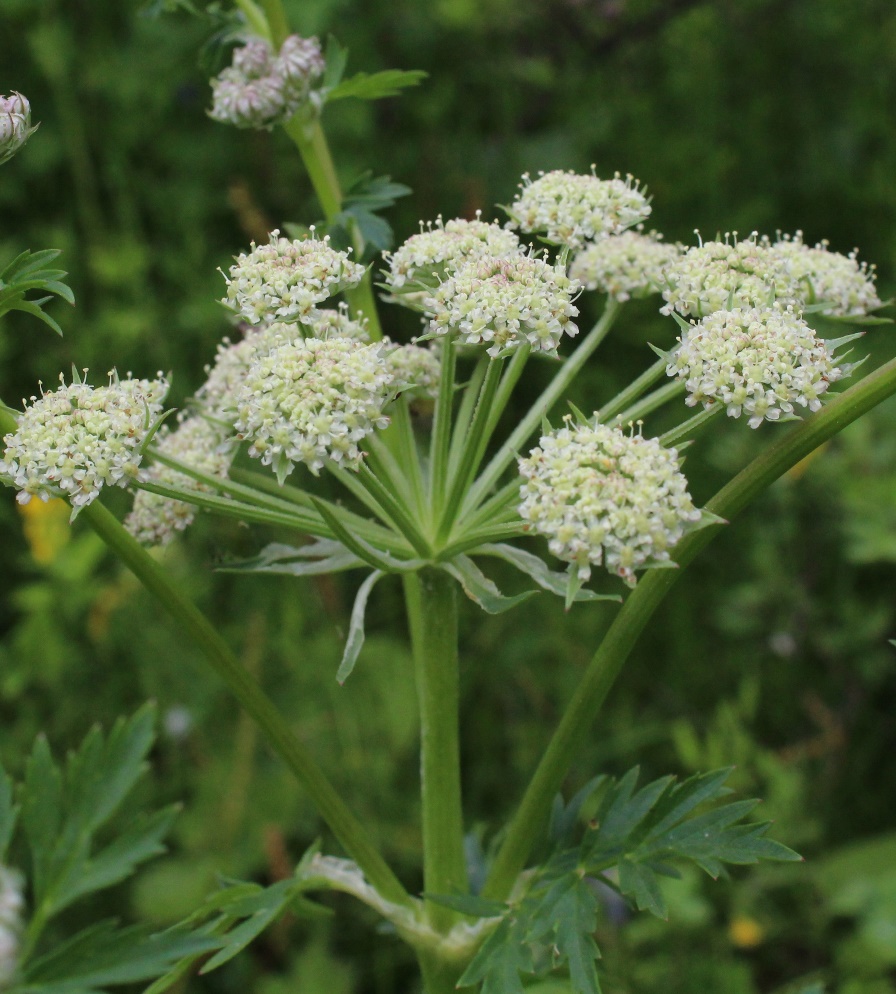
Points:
x=338, y=323
x=415, y=369
x=72, y=441
x=841, y=282
x=723, y=275
x=312, y=400
x=760, y=362
x=601, y=496
x=15, y=124
x=285, y=280
x=441, y=247
x=506, y=302
x=155, y=519
x=12, y=903
x=624, y=266
x=261, y=89
x=573, y=209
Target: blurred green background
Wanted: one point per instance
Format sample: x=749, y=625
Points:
x=771, y=654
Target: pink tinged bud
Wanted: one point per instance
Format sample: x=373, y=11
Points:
x=15, y=125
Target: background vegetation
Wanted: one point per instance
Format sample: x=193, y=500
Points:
x=772, y=654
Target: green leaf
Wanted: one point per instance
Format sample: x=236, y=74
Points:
x=575, y=915
x=564, y=817
x=500, y=961
x=335, y=58
x=322, y=556
x=41, y=814
x=377, y=558
x=103, y=954
x=479, y=588
x=388, y=83
x=355, y=640
x=640, y=883
x=537, y=569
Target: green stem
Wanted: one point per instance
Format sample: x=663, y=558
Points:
x=465, y=412
x=431, y=599
x=441, y=429
x=576, y=724
x=344, y=825
x=276, y=18
x=481, y=428
x=647, y=405
x=675, y=436
x=633, y=391
x=439, y=977
x=551, y=394
x=256, y=19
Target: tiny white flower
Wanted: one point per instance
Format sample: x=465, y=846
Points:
x=203, y=445
x=624, y=266
x=841, y=282
x=505, y=303
x=285, y=280
x=602, y=496
x=572, y=209
x=441, y=247
x=762, y=362
x=73, y=441
x=415, y=369
x=313, y=400
x=728, y=274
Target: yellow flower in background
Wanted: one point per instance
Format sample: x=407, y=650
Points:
x=745, y=932
x=46, y=528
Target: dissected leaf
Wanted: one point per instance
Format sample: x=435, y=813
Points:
x=355, y=640
x=365, y=86
x=479, y=588
x=538, y=570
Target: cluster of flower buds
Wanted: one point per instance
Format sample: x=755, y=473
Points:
x=15, y=125
x=625, y=266
x=200, y=444
x=12, y=904
x=286, y=280
x=759, y=362
x=262, y=88
x=440, y=247
x=312, y=400
x=604, y=497
x=506, y=303
x=572, y=209
x=73, y=441
x=415, y=369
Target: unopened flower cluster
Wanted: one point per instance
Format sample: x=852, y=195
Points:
x=726, y=275
x=759, y=362
x=441, y=247
x=200, y=444
x=506, y=303
x=312, y=400
x=73, y=441
x=624, y=266
x=261, y=89
x=15, y=124
x=571, y=209
x=285, y=280
x=12, y=904
x=604, y=497
x=838, y=281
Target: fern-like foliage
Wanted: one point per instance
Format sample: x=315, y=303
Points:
x=55, y=827
x=27, y=273
x=640, y=834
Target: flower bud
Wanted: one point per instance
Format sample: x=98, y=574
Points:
x=15, y=125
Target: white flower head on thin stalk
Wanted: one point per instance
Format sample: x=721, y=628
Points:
x=415, y=369
x=602, y=496
x=285, y=280
x=261, y=89
x=572, y=209
x=624, y=266
x=73, y=441
x=15, y=124
x=840, y=282
x=760, y=362
x=335, y=323
x=441, y=247
x=313, y=400
x=12, y=904
x=724, y=275
x=506, y=303
x=204, y=446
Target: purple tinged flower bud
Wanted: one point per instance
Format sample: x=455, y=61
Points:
x=15, y=124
